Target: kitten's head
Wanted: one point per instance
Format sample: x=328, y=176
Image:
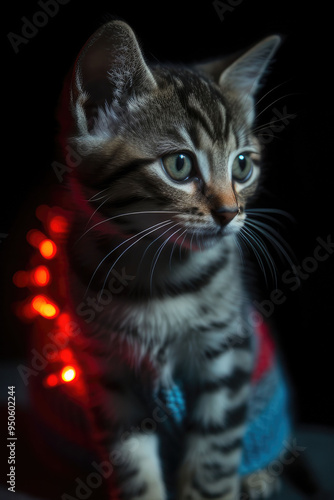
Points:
x=165, y=142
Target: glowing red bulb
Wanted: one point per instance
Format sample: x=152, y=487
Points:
x=58, y=224
x=68, y=373
x=40, y=276
x=45, y=307
x=35, y=237
x=66, y=355
x=51, y=380
x=63, y=321
x=47, y=248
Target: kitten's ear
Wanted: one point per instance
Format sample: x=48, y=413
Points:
x=239, y=74
x=109, y=69
x=244, y=74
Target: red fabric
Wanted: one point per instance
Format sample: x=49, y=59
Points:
x=265, y=354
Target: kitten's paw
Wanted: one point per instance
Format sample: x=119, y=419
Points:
x=191, y=488
x=192, y=494
x=260, y=485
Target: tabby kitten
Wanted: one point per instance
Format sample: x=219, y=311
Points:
x=168, y=162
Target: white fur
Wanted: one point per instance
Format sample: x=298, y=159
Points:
x=141, y=451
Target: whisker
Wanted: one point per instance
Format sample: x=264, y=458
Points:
x=155, y=226
x=152, y=242
x=250, y=244
x=128, y=248
x=98, y=208
x=264, y=136
x=271, y=90
x=261, y=98
x=260, y=211
x=93, y=198
x=235, y=237
x=191, y=242
x=124, y=215
x=158, y=253
x=180, y=254
x=266, y=254
x=265, y=216
x=275, y=238
x=198, y=242
x=257, y=255
x=274, y=102
x=173, y=248
x=267, y=125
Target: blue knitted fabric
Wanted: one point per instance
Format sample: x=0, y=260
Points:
x=268, y=420
x=173, y=398
x=268, y=426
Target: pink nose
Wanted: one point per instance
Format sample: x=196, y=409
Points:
x=224, y=215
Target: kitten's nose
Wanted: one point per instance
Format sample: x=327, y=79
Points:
x=224, y=215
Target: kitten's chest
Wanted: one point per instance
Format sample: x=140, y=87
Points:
x=192, y=340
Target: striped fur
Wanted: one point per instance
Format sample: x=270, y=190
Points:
x=180, y=312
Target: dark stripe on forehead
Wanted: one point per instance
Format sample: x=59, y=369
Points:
x=226, y=123
x=194, y=135
x=193, y=113
x=212, y=120
x=197, y=116
x=210, y=158
x=191, y=88
x=220, y=119
x=236, y=135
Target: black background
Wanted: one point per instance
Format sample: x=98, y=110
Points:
x=299, y=164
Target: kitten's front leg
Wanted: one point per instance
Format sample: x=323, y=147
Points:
x=139, y=475
x=133, y=449
x=210, y=469
x=214, y=440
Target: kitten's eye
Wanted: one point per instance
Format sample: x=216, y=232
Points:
x=179, y=166
x=242, y=167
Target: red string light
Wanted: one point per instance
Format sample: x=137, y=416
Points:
x=58, y=224
x=40, y=276
x=35, y=237
x=68, y=373
x=48, y=248
x=44, y=306
x=66, y=355
x=51, y=380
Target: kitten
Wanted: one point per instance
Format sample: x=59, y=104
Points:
x=168, y=163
